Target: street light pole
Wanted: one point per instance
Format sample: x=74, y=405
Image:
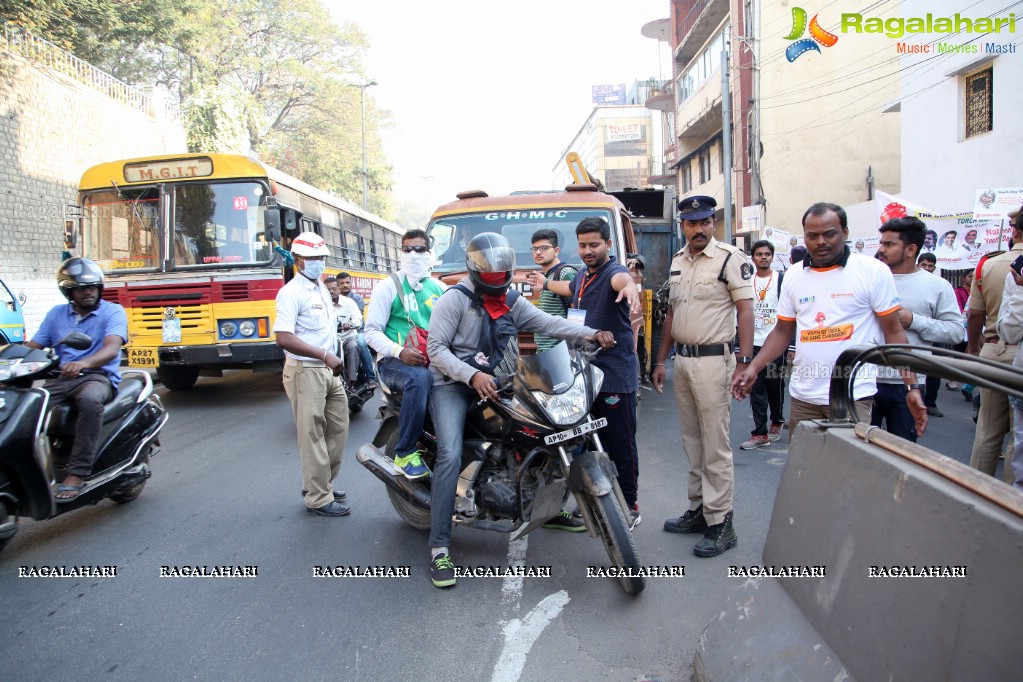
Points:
x=365, y=172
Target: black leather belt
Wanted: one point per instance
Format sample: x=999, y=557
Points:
x=706, y=350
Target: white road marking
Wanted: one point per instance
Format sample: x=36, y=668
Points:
x=519, y=636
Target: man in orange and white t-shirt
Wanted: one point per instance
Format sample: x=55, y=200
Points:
x=837, y=300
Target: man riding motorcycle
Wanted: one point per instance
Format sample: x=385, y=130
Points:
x=464, y=362
x=88, y=377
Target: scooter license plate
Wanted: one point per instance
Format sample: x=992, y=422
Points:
x=574, y=432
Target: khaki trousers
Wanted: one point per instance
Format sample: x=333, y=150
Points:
x=321, y=417
x=993, y=420
x=800, y=411
x=704, y=412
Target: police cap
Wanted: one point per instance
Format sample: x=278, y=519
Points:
x=696, y=208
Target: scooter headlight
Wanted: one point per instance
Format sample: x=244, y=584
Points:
x=565, y=408
x=17, y=368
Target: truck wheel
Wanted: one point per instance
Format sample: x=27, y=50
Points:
x=177, y=378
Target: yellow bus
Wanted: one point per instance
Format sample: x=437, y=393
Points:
x=188, y=241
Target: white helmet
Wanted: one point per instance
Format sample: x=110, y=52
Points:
x=309, y=244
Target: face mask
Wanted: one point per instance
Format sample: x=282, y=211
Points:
x=313, y=269
x=416, y=266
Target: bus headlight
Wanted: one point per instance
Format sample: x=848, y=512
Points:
x=247, y=328
x=228, y=329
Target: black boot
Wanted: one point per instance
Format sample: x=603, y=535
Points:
x=717, y=539
x=690, y=522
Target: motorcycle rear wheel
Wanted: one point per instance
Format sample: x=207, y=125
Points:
x=415, y=516
x=8, y=516
x=618, y=541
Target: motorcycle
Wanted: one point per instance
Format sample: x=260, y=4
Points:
x=35, y=442
x=522, y=454
x=358, y=395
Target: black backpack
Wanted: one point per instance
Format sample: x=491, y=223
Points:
x=497, y=350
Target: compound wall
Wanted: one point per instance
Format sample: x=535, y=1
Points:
x=51, y=129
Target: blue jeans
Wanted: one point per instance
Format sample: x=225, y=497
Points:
x=890, y=406
x=366, y=372
x=415, y=383
x=449, y=405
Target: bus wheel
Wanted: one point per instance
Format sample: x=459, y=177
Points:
x=178, y=378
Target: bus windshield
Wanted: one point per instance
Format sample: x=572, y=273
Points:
x=452, y=233
x=121, y=229
x=219, y=223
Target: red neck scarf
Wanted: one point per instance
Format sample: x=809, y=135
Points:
x=496, y=306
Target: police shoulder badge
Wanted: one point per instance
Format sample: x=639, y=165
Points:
x=746, y=270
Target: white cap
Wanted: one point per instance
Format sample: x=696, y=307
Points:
x=309, y=244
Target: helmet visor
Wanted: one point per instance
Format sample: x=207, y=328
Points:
x=491, y=258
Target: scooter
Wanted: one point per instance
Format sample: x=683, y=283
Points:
x=35, y=442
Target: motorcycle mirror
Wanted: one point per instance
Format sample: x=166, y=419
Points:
x=77, y=340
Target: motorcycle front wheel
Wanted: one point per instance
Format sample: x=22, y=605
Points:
x=614, y=532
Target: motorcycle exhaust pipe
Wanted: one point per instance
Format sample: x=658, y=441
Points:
x=373, y=459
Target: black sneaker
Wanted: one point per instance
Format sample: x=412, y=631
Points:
x=717, y=539
x=634, y=517
x=566, y=521
x=442, y=571
x=690, y=522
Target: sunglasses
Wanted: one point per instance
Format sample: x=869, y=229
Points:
x=415, y=249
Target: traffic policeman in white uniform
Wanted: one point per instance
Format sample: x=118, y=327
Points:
x=710, y=284
x=306, y=328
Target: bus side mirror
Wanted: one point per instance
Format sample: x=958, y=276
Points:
x=273, y=224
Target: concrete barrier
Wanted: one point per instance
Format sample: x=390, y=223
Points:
x=869, y=516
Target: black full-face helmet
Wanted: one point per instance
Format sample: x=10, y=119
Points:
x=78, y=272
x=490, y=252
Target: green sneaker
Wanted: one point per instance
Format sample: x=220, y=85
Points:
x=412, y=466
x=442, y=571
x=565, y=521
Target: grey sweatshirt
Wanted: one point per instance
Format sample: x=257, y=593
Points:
x=936, y=315
x=455, y=331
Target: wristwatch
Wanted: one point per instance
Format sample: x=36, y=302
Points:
x=919, y=387
x=745, y=360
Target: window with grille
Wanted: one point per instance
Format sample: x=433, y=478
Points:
x=979, y=101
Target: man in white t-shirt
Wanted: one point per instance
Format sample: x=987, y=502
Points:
x=768, y=392
x=837, y=300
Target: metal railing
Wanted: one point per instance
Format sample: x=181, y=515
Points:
x=947, y=364
x=687, y=23
x=20, y=41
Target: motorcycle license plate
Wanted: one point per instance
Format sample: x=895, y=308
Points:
x=577, y=431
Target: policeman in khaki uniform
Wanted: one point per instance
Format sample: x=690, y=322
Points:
x=710, y=282
x=985, y=302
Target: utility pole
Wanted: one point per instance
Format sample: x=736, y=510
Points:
x=726, y=140
x=365, y=172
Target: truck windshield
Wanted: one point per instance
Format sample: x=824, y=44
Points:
x=216, y=224
x=452, y=233
x=120, y=230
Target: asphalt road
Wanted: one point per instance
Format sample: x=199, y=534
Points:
x=225, y=490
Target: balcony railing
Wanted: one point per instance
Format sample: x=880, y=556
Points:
x=20, y=41
x=690, y=19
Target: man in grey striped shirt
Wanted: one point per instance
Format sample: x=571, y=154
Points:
x=545, y=253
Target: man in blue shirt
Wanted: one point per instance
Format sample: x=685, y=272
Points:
x=87, y=377
x=607, y=293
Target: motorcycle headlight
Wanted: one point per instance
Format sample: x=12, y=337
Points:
x=247, y=328
x=228, y=329
x=565, y=408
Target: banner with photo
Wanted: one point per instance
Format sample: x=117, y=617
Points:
x=865, y=245
x=997, y=203
x=958, y=241
x=783, y=242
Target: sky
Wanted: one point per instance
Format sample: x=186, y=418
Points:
x=488, y=95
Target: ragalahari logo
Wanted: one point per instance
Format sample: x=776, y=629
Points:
x=817, y=36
